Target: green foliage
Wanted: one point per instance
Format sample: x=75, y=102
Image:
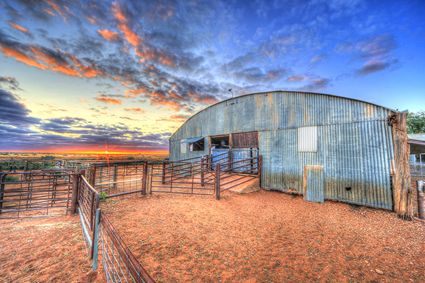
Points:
x=103, y=196
x=10, y=178
x=416, y=122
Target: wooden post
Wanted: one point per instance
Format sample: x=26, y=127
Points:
x=75, y=189
x=202, y=170
x=260, y=169
x=115, y=176
x=163, y=172
x=402, y=192
x=145, y=178
x=421, y=199
x=217, y=181
x=230, y=160
x=96, y=240
x=2, y=185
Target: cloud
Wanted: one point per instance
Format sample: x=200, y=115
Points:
x=296, y=78
x=108, y=34
x=19, y=28
x=135, y=109
x=316, y=84
x=9, y=82
x=375, y=66
x=255, y=75
x=13, y=112
x=108, y=100
x=47, y=59
x=375, y=53
x=123, y=25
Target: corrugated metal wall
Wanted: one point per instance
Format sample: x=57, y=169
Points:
x=354, y=145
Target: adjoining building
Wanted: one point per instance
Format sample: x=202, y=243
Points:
x=319, y=145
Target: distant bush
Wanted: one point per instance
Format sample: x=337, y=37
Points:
x=10, y=178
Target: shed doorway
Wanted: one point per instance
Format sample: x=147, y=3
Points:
x=234, y=148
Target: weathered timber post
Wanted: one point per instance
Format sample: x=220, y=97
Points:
x=260, y=168
x=421, y=199
x=202, y=170
x=163, y=172
x=230, y=160
x=75, y=189
x=145, y=178
x=2, y=185
x=402, y=191
x=217, y=181
x=96, y=240
x=115, y=176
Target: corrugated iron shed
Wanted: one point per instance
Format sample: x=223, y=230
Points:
x=351, y=141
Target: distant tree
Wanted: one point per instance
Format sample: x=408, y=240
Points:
x=416, y=122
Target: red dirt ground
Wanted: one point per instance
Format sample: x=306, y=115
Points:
x=268, y=237
x=48, y=249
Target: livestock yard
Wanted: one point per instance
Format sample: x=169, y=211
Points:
x=323, y=198
x=257, y=237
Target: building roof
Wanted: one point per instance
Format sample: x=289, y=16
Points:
x=281, y=91
x=417, y=139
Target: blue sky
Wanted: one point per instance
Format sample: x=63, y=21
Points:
x=125, y=74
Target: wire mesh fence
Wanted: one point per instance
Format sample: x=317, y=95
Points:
x=35, y=193
x=119, y=263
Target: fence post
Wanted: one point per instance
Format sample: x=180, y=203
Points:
x=230, y=160
x=96, y=240
x=2, y=185
x=75, y=189
x=145, y=178
x=163, y=172
x=115, y=176
x=421, y=199
x=202, y=171
x=260, y=169
x=217, y=181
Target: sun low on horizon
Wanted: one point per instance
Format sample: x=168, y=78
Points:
x=118, y=77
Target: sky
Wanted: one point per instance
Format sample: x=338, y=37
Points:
x=124, y=75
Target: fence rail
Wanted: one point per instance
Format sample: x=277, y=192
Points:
x=118, y=178
x=182, y=177
x=119, y=263
x=35, y=193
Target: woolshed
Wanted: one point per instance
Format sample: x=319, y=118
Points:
x=322, y=146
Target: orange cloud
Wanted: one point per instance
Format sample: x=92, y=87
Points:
x=18, y=27
x=124, y=27
x=179, y=117
x=56, y=8
x=135, y=109
x=131, y=93
x=109, y=100
x=21, y=57
x=204, y=99
x=108, y=34
x=53, y=63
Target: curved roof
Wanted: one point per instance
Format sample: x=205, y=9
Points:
x=279, y=91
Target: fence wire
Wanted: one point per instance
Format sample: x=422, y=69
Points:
x=119, y=263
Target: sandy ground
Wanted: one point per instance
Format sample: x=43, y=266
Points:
x=268, y=237
x=49, y=249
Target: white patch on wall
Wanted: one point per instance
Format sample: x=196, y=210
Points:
x=183, y=147
x=307, y=139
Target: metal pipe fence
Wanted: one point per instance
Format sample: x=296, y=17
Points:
x=118, y=178
x=35, y=193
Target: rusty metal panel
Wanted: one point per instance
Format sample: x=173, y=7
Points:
x=245, y=140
